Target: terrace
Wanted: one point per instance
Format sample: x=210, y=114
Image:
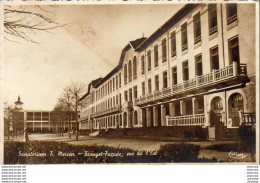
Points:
x=215, y=77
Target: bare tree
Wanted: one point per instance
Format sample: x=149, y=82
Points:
x=66, y=101
x=13, y=120
x=22, y=21
x=76, y=89
x=58, y=117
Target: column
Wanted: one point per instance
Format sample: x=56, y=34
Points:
x=172, y=109
x=207, y=118
x=155, y=115
x=148, y=116
x=235, y=69
x=163, y=115
x=143, y=117
x=195, y=106
x=241, y=115
x=129, y=119
x=223, y=116
x=183, y=107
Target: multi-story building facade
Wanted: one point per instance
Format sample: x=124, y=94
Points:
x=201, y=61
x=49, y=121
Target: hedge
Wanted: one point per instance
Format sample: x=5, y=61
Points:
x=14, y=153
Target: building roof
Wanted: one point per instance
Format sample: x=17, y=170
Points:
x=18, y=102
x=167, y=25
x=96, y=83
x=137, y=42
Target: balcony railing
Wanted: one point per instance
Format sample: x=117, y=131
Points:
x=249, y=119
x=128, y=104
x=188, y=120
x=214, y=77
x=157, y=93
x=224, y=72
x=173, y=54
x=166, y=90
x=184, y=47
x=197, y=39
x=232, y=19
x=205, y=79
x=164, y=59
x=213, y=30
x=149, y=96
x=107, y=111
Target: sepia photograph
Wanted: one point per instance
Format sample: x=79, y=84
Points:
x=127, y=83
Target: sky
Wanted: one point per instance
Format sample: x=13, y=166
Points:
x=87, y=47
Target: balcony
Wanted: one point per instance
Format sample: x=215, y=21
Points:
x=232, y=19
x=213, y=30
x=173, y=54
x=197, y=40
x=128, y=104
x=107, y=111
x=226, y=74
x=184, y=47
x=164, y=59
x=248, y=119
x=188, y=120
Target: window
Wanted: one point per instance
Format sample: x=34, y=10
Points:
x=114, y=101
x=233, y=50
x=29, y=116
x=174, y=75
x=156, y=79
x=197, y=28
x=117, y=100
x=120, y=102
x=125, y=73
x=165, y=79
x=113, y=84
x=155, y=55
x=143, y=65
x=164, y=51
x=198, y=65
x=213, y=24
x=185, y=67
x=231, y=13
x=149, y=85
x=116, y=81
x=214, y=58
x=119, y=80
x=130, y=71
x=135, y=91
x=143, y=88
x=110, y=86
x=134, y=68
x=216, y=105
x=126, y=96
x=149, y=60
x=173, y=44
x=130, y=95
x=184, y=38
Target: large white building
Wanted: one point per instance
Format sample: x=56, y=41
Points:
x=201, y=61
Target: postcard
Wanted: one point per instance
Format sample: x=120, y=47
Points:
x=133, y=83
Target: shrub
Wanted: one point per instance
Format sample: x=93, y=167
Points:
x=166, y=154
x=179, y=153
x=247, y=138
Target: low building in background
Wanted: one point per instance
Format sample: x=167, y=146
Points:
x=49, y=121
